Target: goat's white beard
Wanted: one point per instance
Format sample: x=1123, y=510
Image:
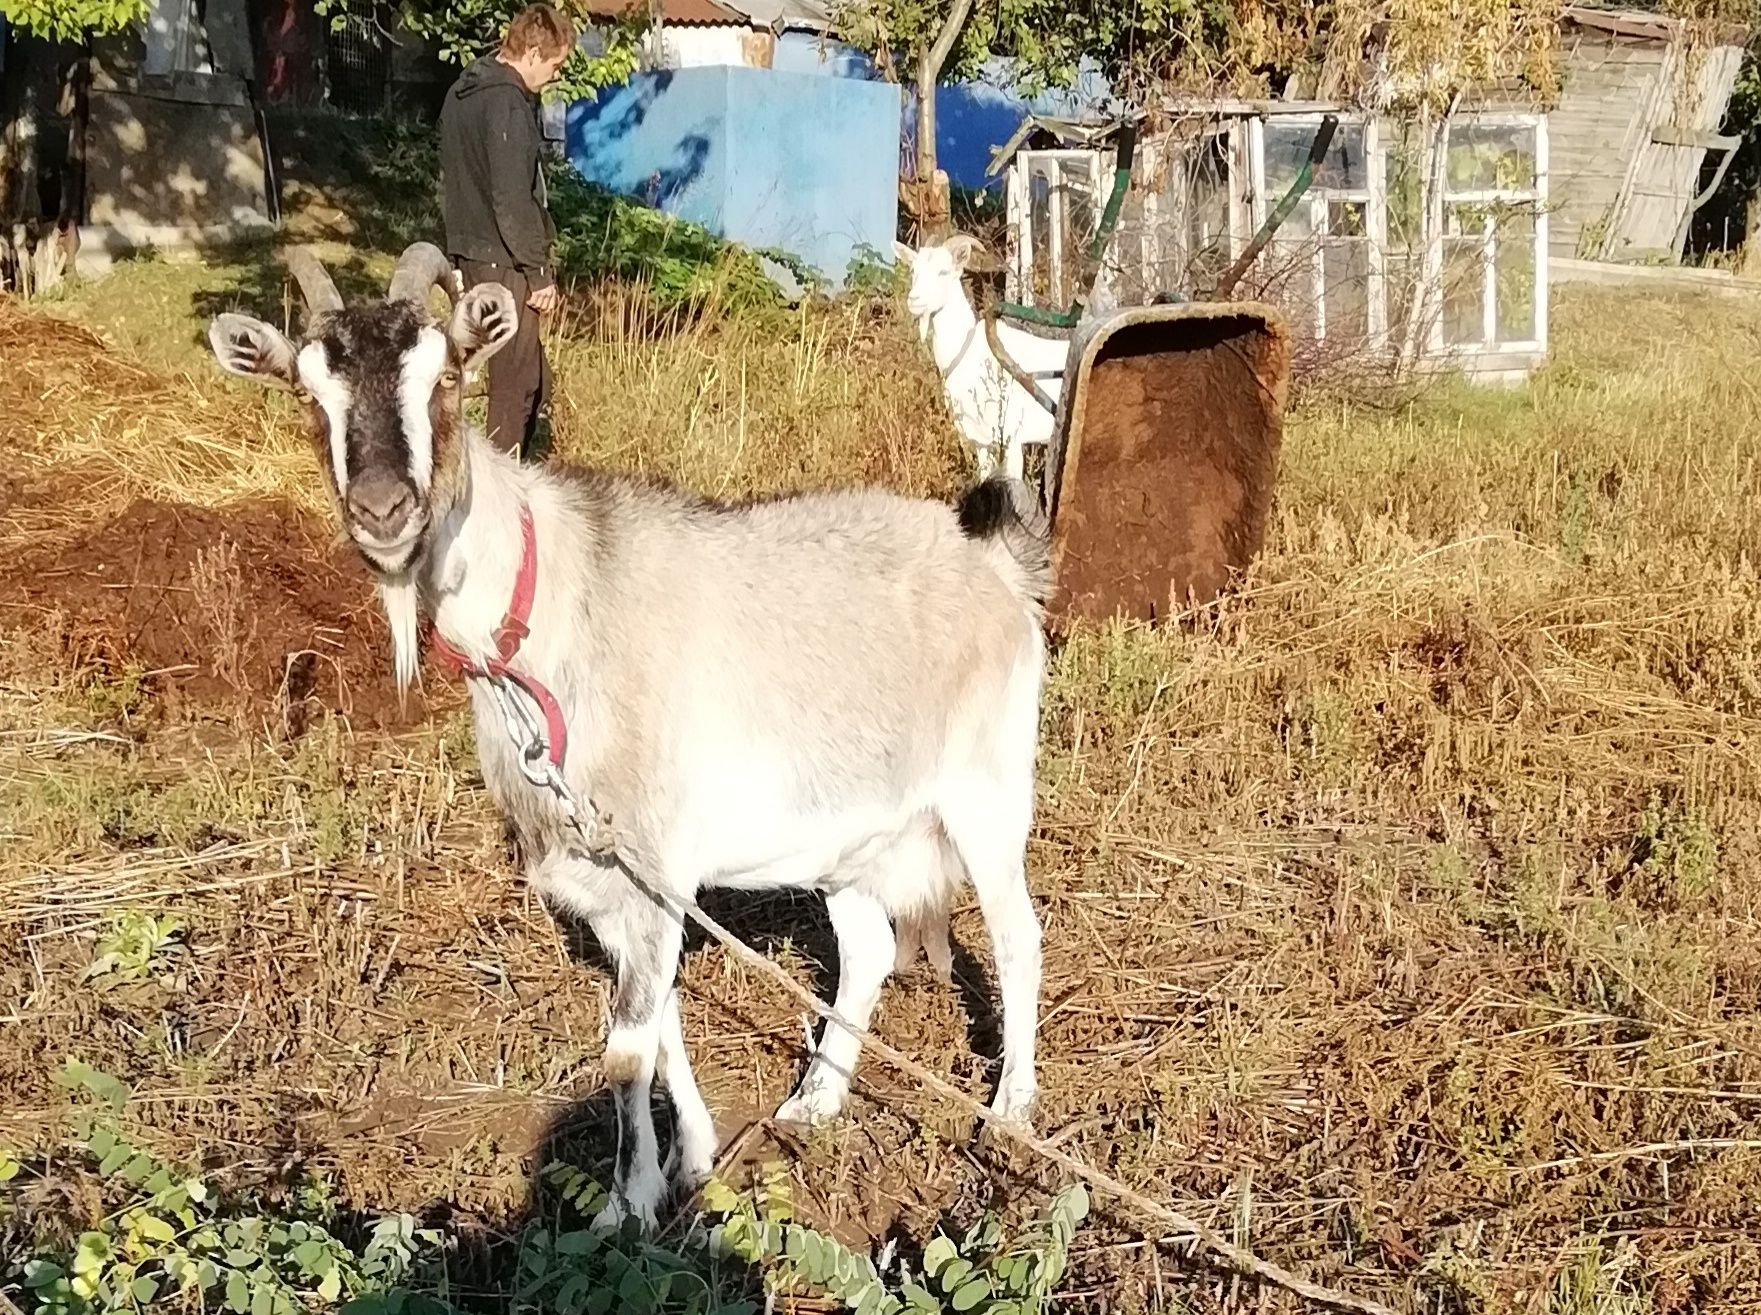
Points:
x=398, y=596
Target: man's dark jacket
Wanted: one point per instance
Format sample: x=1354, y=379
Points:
x=493, y=195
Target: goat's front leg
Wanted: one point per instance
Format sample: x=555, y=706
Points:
x=643, y=942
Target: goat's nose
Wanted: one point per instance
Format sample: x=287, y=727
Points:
x=381, y=505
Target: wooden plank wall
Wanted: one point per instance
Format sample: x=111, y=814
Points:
x=1666, y=179
x=1610, y=87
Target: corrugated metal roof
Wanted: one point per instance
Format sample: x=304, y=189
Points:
x=687, y=13
x=813, y=14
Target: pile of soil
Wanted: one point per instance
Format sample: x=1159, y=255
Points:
x=255, y=606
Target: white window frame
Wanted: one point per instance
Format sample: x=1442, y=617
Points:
x=1317, y=200
x=1047, y=164
x=1536, y=195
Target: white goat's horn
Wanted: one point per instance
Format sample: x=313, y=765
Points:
x=420, y=267
x=315, y=285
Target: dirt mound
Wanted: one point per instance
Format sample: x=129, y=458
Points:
x=254, y=606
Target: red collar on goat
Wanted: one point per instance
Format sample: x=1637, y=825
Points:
x=514, y=627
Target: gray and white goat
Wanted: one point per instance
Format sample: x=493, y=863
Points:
x=835, y=692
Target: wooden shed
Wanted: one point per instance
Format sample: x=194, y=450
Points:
x=1642, y=99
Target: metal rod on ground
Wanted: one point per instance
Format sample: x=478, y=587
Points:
x=1281, y=211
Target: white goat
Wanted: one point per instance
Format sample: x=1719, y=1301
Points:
x=836, y=692
x=990, y=406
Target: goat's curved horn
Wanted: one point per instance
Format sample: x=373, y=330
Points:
x=420, y=267
x=315, y=285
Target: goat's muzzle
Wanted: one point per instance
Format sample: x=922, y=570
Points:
x=383, y=518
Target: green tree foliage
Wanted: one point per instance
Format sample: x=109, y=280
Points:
x=463, y=30
x=70, y=20
x=1399, y=50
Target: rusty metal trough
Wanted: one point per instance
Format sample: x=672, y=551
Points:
x=1162, y=467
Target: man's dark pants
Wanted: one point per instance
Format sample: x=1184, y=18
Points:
x=519, y=375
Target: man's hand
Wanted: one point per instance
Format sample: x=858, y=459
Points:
x=543, y=301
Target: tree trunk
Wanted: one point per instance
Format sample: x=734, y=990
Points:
x=17, y=127
x=930, y=188
x=77, y=91
x=1428, y=274
x=18, y=168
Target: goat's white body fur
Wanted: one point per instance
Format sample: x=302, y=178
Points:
x=837, y=692
x=993, y=412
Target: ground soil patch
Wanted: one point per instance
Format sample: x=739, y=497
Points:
x=252, y=606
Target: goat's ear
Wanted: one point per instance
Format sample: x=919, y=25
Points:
x=964, y=247
x=249, y=347
x=904, y=254
x=483, y=323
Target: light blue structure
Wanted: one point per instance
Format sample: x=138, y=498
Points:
x=972, y=118
x=803, y=163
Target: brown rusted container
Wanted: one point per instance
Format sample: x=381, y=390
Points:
x=1161, y=477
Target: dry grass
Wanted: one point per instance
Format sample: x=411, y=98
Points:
x=1402, y=919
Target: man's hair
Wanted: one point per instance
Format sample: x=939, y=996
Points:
x=541, y=28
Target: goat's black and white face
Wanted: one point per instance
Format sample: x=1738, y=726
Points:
x=383, y=385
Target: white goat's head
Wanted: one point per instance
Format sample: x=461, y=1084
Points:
x=383, y=388
x=935, y=272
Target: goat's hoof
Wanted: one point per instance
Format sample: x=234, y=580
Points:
x=620, y=1209
x=691, y=1170
x=1014, y=1104
x=814, y=1105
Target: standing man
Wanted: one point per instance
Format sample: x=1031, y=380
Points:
x=498, y=227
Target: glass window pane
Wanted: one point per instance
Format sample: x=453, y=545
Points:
x=1398, y=272
x=1080, y=215
x=1291, y=284
x=1514, y=259
x=1401, y=179
x=1346, y=269
x=1207, y=214
x=1464, y=291
x=1287, y=149
x=1490, y=156
x=1039, y=193
x=1347, y=219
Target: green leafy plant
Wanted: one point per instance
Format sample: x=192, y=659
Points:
x=585, y=1271
x=1675, y=854
x=985, y=1271
x=69, y=20
x=873, y=275
x=170, y=1237
x=137, y=946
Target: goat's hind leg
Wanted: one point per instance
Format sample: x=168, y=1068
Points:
x=692, y=1159
x=865, y=957
x=988, y=826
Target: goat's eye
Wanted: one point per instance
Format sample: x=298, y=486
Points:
x=450, y=379
x=303, y=393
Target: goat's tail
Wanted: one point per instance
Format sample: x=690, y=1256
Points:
x=1002, y=510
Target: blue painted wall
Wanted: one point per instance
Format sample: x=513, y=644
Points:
x=767, y=157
